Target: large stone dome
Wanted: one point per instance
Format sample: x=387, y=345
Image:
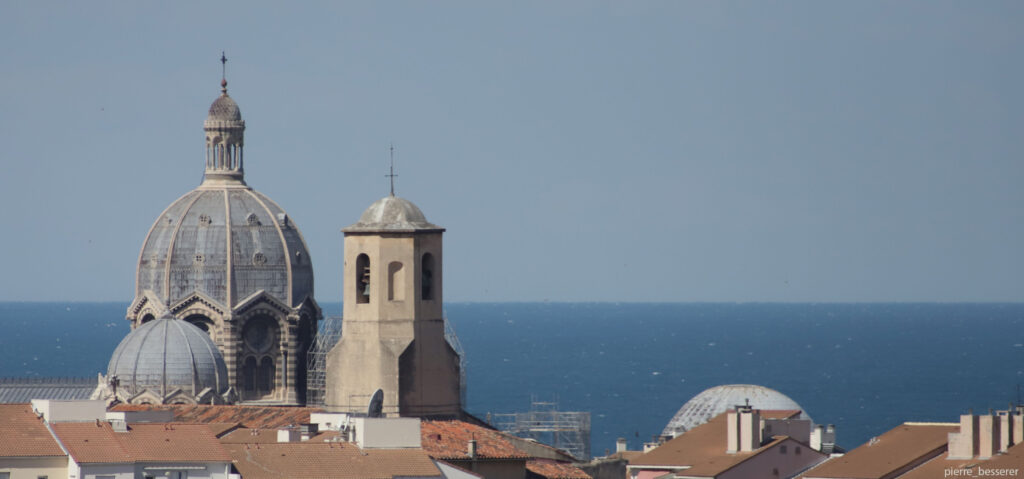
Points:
x=392, y=213
x=719, y=399
x=230, y=261
x=164, y=356
x=227, y=244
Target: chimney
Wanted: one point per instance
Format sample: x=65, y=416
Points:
x=1018, y=425
x=964, y=444
x=816, y=434
x=988, y=436
x=287, y=435
x=620, y=445
x=471, y=449
x=744, y=430
x=1005, y=430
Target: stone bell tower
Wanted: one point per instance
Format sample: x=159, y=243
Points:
x=393, y=336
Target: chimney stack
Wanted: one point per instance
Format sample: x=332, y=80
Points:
x=988, y=436
x=964, y=444
x=744, y=430
x=620, y=445
x=471, y=449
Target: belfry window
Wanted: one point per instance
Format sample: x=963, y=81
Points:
x=362, y=279
x=396, y=282
x=427, y=277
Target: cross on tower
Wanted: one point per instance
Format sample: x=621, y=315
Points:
x=223, y=72
x=391, y=171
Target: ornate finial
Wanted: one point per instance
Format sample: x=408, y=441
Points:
x=391, y=173
x=223, y=73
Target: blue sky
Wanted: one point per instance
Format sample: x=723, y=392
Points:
x=576, y=151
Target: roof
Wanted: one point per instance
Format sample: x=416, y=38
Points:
x=300, y=460
x=23, y=390
x=450, y=440
x=392, y=214
x=97, y=442
x=703, y=448
x=719, y=399
x=267, y=252
x=23, y=434
x=555, y=470
x=166, y=354
x=903, y=446
x=224, y=109
x=257, y=417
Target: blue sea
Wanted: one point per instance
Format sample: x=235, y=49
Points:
x=863, y=367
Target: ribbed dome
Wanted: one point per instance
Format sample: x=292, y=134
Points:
x=167, y=354
x=224, y=109
x=227, y=244
x=392, y=213
x=719, y=399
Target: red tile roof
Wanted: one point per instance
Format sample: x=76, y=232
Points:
x=703, y=448
x=450, y=440
x=23, y=434
x=97, y=442
x=262, y=417
x=902, y=447
x=555, y=470
x=314, y=460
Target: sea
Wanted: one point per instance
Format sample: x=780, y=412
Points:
x=864, y=367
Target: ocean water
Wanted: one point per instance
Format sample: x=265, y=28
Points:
x=863, y=367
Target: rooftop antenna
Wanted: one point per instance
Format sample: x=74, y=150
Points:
x=223, y=72
x=391, y=171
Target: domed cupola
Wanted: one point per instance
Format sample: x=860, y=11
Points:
x=229, y=260
x=393, y=214
x=168, y=361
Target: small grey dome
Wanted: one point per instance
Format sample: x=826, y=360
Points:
x=167, y=354
x=224, y=109
x=392, y=213
x=719, y=399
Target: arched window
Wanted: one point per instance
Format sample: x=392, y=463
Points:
x=249, y=378
x=146, y=318
x=204, y=323
x=265, y=377
x=362, y=279
x=427, y=277
x=396, y=282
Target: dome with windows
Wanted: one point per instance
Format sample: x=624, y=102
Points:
x=168, y=361
x=228, y=260
x=392, y=213
x=719, y=399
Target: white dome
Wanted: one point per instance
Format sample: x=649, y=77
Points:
x=392, y=214
x=719, y=399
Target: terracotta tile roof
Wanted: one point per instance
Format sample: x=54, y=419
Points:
x=450, y=440
x=262, y=417
x=555, y=470
x=1012, y=459
x=23, y=434
x=901, y=447
x=702, y=444
x=97, y=442
x=313, y=460
x=250, y=436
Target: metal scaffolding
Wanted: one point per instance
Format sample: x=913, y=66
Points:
x=565, y=430
x=316, y=361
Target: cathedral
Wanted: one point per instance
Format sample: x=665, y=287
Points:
x=224, y=310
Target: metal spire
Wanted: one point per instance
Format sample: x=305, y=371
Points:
x=391, y=171
x=223, y=73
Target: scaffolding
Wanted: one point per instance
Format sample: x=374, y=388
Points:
x=330, y=334
x=565, y=430
x=316, y=361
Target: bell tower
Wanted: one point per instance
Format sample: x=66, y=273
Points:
x=393, y=335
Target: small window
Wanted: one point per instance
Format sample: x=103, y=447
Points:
x=782, y=449
x=5, y=475
x=362, y=279
x=427, y=277
x=775, y=471
x=797, y=451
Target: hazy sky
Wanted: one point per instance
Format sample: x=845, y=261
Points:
x=575, y=151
